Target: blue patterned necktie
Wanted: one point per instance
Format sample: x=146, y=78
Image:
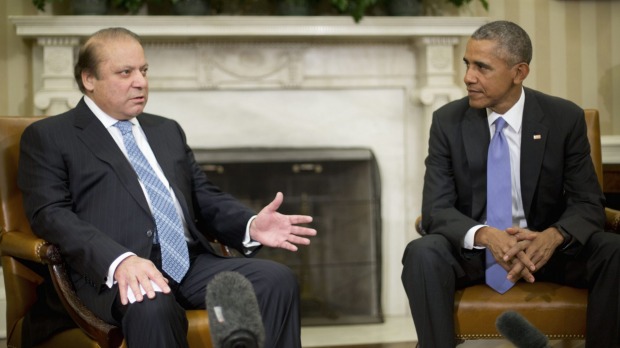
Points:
x=499, y=202
x=174, y=254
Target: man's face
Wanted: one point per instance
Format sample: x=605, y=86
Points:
x=120, y=88
x=491, y=82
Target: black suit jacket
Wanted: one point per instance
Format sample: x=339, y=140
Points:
x=559, y=186
x=81, y=193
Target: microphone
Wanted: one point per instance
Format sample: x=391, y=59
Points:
x=234, y=317
x=520, y=332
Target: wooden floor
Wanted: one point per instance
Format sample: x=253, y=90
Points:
x=384, y=345
x=380, y=345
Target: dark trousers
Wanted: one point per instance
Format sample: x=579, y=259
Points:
x=162, y=322
x=433, y=270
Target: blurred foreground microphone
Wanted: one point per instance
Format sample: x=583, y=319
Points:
x=234, y=317
x=520, y=332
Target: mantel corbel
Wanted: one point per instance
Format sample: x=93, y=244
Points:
x=58, y=91
x=436, y=75
x=436, y=61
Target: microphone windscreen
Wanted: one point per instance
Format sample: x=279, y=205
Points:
x=519, y=331
x=234, y=315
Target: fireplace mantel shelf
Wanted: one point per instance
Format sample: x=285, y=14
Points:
x=248, y=26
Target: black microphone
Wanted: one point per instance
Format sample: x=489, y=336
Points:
x=234, y=317
x=520, y=332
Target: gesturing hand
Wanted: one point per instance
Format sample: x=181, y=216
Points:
x=276, y=230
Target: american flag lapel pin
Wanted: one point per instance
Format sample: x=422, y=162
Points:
x=537, y=136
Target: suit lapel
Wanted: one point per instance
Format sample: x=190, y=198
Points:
x=533, y=142
x=475, y=134
x=157, y=137
x=95, y=137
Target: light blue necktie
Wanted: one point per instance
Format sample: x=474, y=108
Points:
x=174, y=254
x=499, y=202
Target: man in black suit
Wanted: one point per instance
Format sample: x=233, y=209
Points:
x=82, y=193
x=556, y=204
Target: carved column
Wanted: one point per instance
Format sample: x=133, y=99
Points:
x=436, y=79
x=436, y=86
x=58, y=91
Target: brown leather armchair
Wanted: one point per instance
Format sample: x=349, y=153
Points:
x=558, y=311
x=21, y=248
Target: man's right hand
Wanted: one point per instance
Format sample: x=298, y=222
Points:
x=508, y=251
x=135, y=272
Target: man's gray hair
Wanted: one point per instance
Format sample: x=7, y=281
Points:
x=512, y=41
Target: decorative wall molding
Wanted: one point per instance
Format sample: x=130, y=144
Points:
x=249, y=26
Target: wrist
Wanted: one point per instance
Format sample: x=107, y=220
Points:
x=566, y=238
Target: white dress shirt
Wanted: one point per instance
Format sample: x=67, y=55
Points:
x=512, y=132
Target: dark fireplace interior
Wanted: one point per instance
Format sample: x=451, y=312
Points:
x=340, y=272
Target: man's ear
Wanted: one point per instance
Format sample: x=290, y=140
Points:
x=88, y=80
x=522, y=70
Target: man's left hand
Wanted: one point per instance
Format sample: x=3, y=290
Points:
x=276, y=230
x=538, y=246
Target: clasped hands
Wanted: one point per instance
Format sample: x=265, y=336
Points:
x=520, y=251
x=270, y=228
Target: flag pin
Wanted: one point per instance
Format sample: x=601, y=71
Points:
x=537, y=136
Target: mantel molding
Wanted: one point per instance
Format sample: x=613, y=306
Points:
x=248, y=26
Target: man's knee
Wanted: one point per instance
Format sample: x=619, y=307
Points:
x=162, y=306
x=429, y=248
x=606, y=245
x=280, y=278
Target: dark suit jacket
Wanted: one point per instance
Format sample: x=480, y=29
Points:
x=82, y=194
x=559, y=186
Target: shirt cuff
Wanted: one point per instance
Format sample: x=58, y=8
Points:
x=469, y=240
x=249, y=245
x=109, y=281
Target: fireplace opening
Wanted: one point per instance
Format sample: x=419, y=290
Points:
x=340, y=272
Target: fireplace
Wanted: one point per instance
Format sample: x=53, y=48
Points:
x=340, y=272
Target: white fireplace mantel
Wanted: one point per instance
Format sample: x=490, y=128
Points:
x=286, y=81
x=248, y=26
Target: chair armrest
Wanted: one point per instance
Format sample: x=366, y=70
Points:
x=612, y=220
x=25, y=246
x=418, y=225
x=105, y=334
x=29, y=247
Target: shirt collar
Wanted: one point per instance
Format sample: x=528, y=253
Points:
x=107, y=120
x=514, y=116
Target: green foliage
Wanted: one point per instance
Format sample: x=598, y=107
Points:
x=40, y=4
x=356, y=8
x=459, y=3
x=131, y=6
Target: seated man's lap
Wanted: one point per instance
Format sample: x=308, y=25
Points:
x=267, y=277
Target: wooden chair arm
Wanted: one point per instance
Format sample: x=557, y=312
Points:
x=29, y=247
x=105, y=334
x=612, y=220
x=418, y=225
x=26, y=246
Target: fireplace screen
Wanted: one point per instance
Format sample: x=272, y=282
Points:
x=340, y=272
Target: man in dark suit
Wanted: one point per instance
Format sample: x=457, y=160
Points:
x=81, y=192
x=556, y=206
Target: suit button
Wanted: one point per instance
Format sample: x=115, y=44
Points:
x=149, y=233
